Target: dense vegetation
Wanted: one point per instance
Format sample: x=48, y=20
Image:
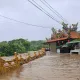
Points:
x=19, y=46
x=36, y=45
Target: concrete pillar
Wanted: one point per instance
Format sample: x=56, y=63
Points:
x=53, y=47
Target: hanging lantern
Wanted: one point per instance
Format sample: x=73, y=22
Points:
x=68, y=40
x=58, y=41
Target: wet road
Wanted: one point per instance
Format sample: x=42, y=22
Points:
x=49, y=67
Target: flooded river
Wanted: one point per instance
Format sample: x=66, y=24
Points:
x=49, y=67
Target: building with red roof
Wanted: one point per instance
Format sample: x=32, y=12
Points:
x=61, y=37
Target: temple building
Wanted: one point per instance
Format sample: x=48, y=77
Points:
x=61, y=37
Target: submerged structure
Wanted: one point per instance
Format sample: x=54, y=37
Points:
x=61, y=37
x=9, y=66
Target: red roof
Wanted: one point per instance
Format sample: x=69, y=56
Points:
x=73, y=35
x=58, y=39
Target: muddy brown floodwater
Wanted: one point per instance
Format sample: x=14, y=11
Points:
x=49, y=67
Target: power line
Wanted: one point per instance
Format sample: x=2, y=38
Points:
x=53, y=10
x=43, y=10
x=47, y=13
x=23, y=22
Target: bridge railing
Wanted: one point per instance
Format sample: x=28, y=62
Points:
x=8, y=66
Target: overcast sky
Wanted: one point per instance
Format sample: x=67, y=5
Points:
x=24, y=11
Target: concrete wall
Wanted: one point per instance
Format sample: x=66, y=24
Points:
x=53, y=47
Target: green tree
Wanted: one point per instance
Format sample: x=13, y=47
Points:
x=18, y=45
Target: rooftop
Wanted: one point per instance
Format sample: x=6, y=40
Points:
x=73, y=35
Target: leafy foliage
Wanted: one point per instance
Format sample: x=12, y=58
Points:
x=36, y=45
x=20, y=46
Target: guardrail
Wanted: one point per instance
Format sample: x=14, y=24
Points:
x=9, y=66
